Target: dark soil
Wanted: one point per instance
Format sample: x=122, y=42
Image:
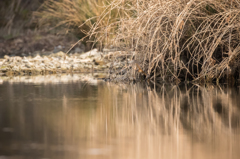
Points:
x=38, y=42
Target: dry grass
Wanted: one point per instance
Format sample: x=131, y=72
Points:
x=70, y=15
x=175, y=39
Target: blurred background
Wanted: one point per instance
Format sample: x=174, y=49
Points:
x=28, y=26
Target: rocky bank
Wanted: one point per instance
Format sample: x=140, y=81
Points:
x=57, y=63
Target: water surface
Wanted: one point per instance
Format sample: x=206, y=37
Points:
x=56, y=117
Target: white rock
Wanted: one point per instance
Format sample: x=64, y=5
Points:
x=17, y=59
x=42, y=65
x=93, y=53
x=15, y=68
x=37, y=58
x=25, y=61
x=84, y=60
x=6, y=57
x=27, y=65
x=63, y=67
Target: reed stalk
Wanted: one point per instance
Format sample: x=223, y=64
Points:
x=175, y=40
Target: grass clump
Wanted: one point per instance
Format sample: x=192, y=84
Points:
x=175, y=40
x=76, y=16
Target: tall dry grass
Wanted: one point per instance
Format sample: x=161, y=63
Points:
x=70, y=15
x=175, y=39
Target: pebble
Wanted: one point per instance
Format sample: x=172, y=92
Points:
x=56, y=62
x=6, y=57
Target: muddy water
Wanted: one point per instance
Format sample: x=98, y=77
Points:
x=58, y=118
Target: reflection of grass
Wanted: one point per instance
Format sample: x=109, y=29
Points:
x=124, y=111
x=166, y=112
x=127, y=118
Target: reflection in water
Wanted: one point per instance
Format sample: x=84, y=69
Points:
x=79, y=120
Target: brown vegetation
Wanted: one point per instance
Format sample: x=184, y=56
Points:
x=175, y=40
x=70, y=15
x=170, y=40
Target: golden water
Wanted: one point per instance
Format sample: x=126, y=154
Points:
x=72, y=119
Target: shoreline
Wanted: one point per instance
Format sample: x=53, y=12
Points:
x=57, y=63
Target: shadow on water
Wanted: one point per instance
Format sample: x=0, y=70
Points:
x=103, y=120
